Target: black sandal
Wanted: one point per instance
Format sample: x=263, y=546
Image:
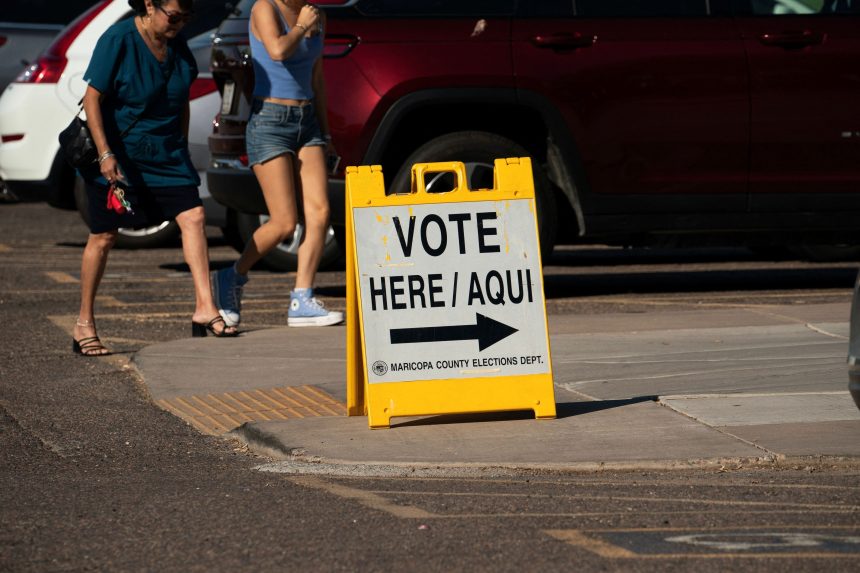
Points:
x=90, y=347
x=199, y=330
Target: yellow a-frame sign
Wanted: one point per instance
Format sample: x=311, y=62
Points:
x=445, y=303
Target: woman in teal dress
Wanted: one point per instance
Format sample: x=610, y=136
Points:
x=137, y=107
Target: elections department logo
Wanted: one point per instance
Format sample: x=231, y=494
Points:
x=380, y=368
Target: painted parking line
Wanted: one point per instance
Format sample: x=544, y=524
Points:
x=534, y=504
x=61, y=277
x=366, y=498
x=739, y=505
x=757, y=542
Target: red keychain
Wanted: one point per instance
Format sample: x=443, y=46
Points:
x=117, y=202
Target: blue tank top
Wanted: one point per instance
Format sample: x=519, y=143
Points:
x=286, y=79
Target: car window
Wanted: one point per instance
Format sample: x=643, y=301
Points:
x=43, y=11
x=243, y=8
x=788, y=7
x=207, y=15
x=437, y=7
x=640, y=8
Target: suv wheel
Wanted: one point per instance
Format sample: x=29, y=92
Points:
x=285, y=256
x=161, y=235
x=478, y=150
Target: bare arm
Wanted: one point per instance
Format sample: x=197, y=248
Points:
x=266, y=25
x=92, y=106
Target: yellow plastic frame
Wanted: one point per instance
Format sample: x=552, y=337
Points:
x=365, y=187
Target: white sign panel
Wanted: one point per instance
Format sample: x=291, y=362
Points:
x=451, y=290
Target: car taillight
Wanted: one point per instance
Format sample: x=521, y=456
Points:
x=243, y=159
x=12, y=137
x=46, y=70
x=337, y=46
x=2, y=40
x=50, y=65
x=201, y=87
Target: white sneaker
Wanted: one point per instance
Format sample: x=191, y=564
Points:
x=305, y=310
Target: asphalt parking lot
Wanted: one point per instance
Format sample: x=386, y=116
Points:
x=145, y=478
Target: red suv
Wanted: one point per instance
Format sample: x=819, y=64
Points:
x=718, y=121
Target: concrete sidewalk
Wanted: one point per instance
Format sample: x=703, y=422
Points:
x=661, y=389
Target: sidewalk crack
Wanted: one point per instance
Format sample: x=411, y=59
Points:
x=770, y=453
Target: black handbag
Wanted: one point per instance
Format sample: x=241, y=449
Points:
x=77, y=143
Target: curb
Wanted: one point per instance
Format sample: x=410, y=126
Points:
x=295, y=460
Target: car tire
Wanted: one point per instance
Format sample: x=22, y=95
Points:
x=478, y=150
x=285, y=257
x=164, y=234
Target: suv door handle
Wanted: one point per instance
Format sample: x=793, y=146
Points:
x=793, y=39
x=564, y=41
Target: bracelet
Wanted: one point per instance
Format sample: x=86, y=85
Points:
x=302, y=26
x=104, y=156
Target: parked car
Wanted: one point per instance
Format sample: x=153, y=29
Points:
x=27, y=27
x=50, y=89
x=659, y=122
x=20, y=44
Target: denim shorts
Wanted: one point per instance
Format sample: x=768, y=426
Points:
x=274, y=129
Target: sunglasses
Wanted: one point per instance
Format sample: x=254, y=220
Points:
x=177, y=17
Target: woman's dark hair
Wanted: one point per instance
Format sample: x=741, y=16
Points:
x=139, y=6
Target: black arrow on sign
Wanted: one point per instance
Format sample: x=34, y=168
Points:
x=485, y=330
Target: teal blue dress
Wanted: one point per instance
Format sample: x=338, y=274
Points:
x=153, y=155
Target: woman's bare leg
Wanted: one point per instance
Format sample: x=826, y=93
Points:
x=196, y=250
x=93, y=264
x=277, y=180
x=314, y=191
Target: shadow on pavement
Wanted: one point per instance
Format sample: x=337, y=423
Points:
x=563, y=410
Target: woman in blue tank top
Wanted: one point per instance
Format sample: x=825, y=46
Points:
x=287, y=141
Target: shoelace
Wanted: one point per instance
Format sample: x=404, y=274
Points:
x=312, y=302
x=236, y=294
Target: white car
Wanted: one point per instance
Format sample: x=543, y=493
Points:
x=44, y=97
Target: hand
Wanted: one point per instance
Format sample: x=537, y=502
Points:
x=308, y=17
x=111, y=171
